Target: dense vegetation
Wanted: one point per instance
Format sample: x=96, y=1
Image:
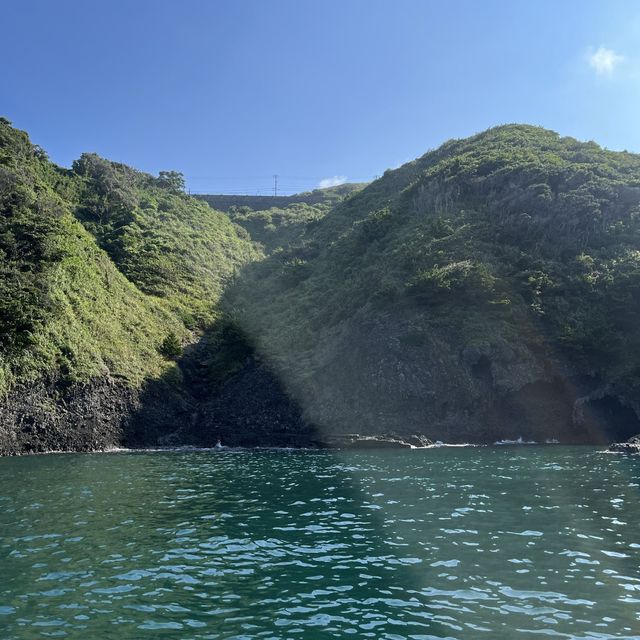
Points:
x=169, y=245
x=489, y=288
x=278, y=227
x=515, y=242
x=106, y=271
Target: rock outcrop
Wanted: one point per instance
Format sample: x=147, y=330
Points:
x=48, y=416
x=250, y=409
x=630, y=446
x=382, y=441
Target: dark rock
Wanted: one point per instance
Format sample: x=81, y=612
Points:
x=50, y=416
x=386, y=441
x=630, y=446
x=252, y=409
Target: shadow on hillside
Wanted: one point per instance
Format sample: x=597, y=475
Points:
x=223, y=392
x=227, y=393
x=379, y=379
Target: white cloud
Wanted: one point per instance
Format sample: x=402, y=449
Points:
x=604, y=61
x=334, y=181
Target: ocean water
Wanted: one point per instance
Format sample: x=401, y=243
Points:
x=504, y=542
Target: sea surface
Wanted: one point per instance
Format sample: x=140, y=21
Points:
x=498, y=542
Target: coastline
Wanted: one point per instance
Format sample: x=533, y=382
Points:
x=612, y=448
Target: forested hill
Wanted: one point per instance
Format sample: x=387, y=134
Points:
x=107, y=273
x=488, y=289
x=330, y=195
x=277, y=222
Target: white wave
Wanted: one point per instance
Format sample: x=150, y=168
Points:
x=438, y=444
x=520, y=440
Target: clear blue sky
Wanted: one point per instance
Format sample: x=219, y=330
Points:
x=232, y=91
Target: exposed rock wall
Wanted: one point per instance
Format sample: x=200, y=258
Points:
x=49, y=416
x=385, y=376
x=250, y=409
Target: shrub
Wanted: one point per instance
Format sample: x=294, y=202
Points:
x=171, y=347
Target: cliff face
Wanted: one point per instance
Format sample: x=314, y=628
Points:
x=250, y=409
x=44, y=416
x=456, y=392
x=488, y=290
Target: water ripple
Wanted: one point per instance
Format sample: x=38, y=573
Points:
x=441, y=543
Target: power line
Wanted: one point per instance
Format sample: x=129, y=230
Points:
x=258, y=185
x=288, y=178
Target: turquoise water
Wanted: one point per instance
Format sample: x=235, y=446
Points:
x=522, y=542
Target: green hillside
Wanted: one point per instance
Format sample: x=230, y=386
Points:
x=106, y=273
x=489, y=288
x=64, y=306
x=169, y=245
x=284, y=221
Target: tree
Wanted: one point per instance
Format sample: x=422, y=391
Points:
x=171, y=347
x=171, y=180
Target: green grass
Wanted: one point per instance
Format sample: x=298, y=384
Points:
x=101, y=266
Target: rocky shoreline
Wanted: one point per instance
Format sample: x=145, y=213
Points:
x=630, y=446
x=250, y=410
x=105, y=413
x=382, y=441
x=51, y=416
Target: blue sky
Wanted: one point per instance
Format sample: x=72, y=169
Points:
x=232, y=92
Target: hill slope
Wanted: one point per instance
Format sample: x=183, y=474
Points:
x=489, y=289
x=90, y=314
x=282, y=221
x=329, y=195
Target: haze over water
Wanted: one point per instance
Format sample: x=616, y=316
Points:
x=516, y=542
